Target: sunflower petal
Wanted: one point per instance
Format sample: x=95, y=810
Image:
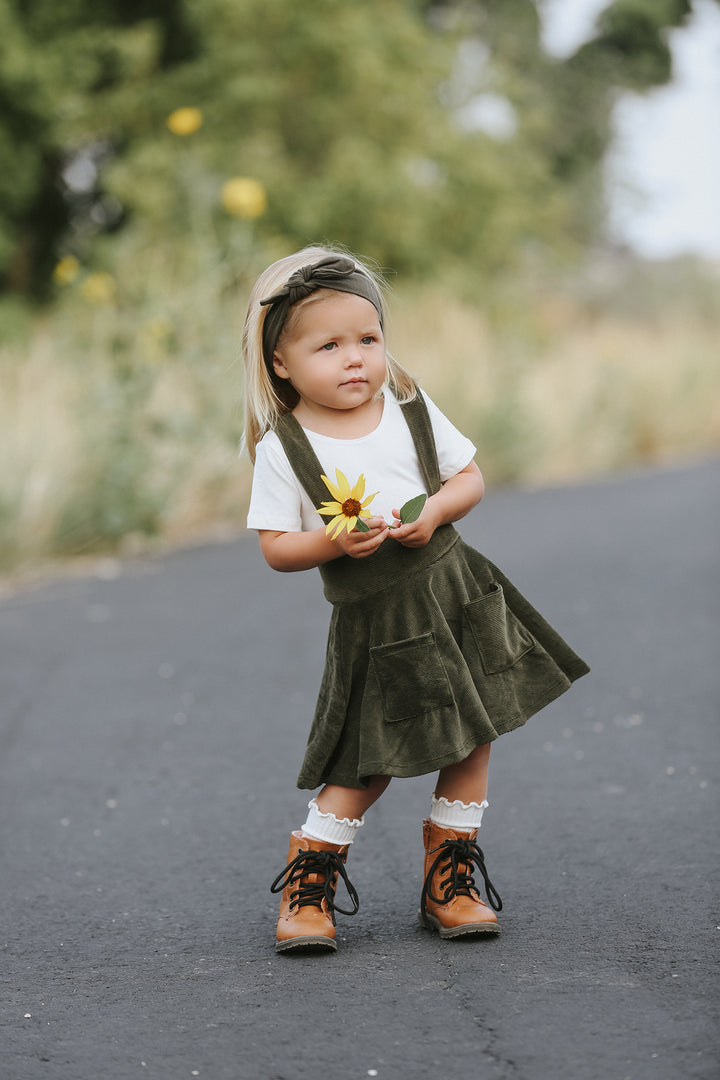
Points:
x=329, y=508
x=343, y=484
x=359, y=489
x=340, y=527
x=369, y=499
x=336, y=494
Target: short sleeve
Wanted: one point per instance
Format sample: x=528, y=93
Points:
x=276, y=497
x=454, y=450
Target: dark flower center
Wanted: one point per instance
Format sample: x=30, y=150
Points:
x=351, y=508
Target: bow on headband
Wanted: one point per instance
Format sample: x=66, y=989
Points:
x=336, y=272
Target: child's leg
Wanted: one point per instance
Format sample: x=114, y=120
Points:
x=336, y=813
x=351, y=802
x=466, y=780
x=461, y=792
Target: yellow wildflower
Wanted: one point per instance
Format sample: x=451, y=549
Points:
x=66, y=270
x=185, y=121
x=158, y=329
x=98, y=288
x=157, y=336
x=348, y=507
x=244, y=197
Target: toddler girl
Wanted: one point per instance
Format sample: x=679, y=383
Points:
x=432, y=653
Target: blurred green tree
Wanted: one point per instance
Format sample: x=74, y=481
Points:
x=415, y=132
x=563, y=107
x=62, y=67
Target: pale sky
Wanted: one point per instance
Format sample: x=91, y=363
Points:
x=664, y=170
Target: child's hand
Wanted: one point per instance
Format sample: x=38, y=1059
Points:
x=454, y=500
x=417, y=533
x=361, y=544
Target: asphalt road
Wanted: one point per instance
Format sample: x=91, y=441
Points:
x=153, y=719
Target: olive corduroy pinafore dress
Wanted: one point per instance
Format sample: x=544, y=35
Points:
x=431, y=651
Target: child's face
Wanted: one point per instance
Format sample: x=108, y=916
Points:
x=334, y=352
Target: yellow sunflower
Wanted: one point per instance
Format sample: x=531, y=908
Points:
x=244, y=197
x=66, y=270
x=185, y=121
x=349, y=506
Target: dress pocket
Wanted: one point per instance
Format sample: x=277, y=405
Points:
x=500, y=638
x=411, y=677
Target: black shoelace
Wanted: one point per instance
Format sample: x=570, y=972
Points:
x=328, y=866
x=457, y=858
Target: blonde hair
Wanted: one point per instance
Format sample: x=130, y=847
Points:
x=266, y=396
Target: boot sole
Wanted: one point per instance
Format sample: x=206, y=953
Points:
x=312, y=943
x=431, y=923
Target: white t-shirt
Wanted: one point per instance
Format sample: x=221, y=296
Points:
x=387, y=458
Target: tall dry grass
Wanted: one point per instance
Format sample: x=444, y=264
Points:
x=120, y=415
x=559, y=390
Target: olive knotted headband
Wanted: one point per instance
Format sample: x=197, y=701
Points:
x=336, y=272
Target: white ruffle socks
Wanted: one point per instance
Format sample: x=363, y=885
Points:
x=328, y=828
x=457, y=815
x=463, y=817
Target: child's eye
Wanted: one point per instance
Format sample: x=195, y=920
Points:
x=330, y=345
x=369, y=339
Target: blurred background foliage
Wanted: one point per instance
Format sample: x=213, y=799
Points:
x=365, y=122
x=156, y=154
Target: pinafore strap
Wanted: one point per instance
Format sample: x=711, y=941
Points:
x=418, y=420
x=351, y=579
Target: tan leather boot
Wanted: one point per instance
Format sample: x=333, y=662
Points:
x=450, y=900
x=308, y=882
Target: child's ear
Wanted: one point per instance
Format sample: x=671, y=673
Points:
x=279, y=367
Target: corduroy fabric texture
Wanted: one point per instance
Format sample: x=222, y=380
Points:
x=431, y=651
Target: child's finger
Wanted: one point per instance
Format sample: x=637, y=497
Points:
x=360, y=545
x=370, y=524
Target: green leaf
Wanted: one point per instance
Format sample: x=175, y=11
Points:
x=412, y=509
x=361, y=526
